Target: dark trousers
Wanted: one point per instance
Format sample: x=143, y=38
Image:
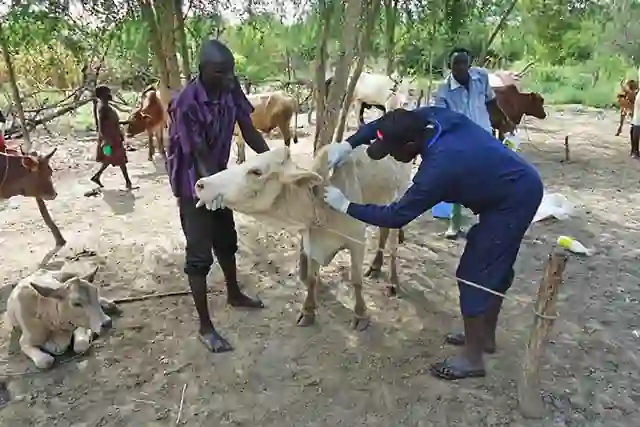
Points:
x=634, y=134
x=207, y=233
x=493, y=245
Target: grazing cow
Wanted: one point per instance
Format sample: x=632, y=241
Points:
x=626, y=100
x=151, y=117
x=271, y=110
x=274, y=189
x=516, y=104
x=51, y=308
x=29, y=175
x=375, y=90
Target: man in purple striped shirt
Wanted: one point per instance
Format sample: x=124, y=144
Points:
x=202, y=118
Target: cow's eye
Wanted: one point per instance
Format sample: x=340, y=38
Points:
x=255, y=172
x=76, y=304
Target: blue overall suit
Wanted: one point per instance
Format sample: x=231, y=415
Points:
x=465, y=164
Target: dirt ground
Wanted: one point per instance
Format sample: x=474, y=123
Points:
x=328, y=375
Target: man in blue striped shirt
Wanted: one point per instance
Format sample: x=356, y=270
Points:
x=466, y=90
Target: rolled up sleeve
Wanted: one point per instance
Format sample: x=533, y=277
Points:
x=441, y=97
x=489, y=94
x=428, y=189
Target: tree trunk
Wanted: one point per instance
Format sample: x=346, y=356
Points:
x=325, y=10
x=15, y=92
x=348, y=43
x=390, y=18
x=365, y=44
x=181, y=38
x=496, y=31
x=149, y=17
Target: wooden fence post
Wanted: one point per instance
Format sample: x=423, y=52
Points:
x=529, y=398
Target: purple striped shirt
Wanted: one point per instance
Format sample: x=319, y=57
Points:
x=198, y=121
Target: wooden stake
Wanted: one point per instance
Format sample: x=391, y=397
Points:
x=529, y=398
x=566, y=149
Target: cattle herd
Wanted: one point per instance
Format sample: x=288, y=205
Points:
x=51, y=308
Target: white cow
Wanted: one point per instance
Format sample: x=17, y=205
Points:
x=49, y=308
x=376, y=90
x=272, y=188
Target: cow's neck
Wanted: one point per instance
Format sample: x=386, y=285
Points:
x=300, y=205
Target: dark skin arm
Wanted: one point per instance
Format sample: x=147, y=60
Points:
x=253, y=137
x=506, y=125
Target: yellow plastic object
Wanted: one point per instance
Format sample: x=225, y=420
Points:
x=573, y=245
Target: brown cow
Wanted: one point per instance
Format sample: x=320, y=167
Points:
x=516, y=104
x=151, y=117
x=626, y=99
x=29, y=175
x=271, y=110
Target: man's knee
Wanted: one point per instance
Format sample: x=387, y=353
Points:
x=198, y=258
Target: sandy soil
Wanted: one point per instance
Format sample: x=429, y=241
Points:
x=328, y=375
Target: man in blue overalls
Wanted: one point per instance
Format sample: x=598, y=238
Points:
x=461, y=163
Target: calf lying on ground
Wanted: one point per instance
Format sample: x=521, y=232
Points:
x=271, y=110
x=151, y=117
x=272, y=188
x=51, y=308
x=516, y=104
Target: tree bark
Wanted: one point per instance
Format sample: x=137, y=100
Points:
x=15, y=91
x=320, y=92
x=181, y=37
x=365, y=44
x=496, y=30
x=390, y=17
x=348, y=43
x=529, y=398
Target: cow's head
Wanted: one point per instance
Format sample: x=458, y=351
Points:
x=78, y=300
x=137, y=123
x=534, y=105
x=30, y=175
x=269, y=184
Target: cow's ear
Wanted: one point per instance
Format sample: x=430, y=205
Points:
x=90, y=277
x=59, y=293
x=30, y=163
x=300, y=177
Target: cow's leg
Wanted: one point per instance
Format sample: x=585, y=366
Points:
x=375, y=269
x=394, y=236
x=360, y=320
x=57, y=235
x=81, y=340
x=241, y=147
x=160, y=139
x=307, y=316
x=57, y=343
x=41, y=359
x=401, y=236
x=622, y=114
x=285, y=130
x=151, y=147
x=360, y=109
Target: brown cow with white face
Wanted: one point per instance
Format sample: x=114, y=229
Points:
x=26, y=175
x=516, y=105
x=29, y=175
x=151, y=117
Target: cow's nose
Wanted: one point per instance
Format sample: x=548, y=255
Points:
x=107, y=324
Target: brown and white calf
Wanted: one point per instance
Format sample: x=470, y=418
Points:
x=272, y=188
x=48, y=309
x=150, y=117
x=516, y=105
x=271, y=110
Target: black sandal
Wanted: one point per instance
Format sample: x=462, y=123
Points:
x=214, y=342
x=446, y=371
